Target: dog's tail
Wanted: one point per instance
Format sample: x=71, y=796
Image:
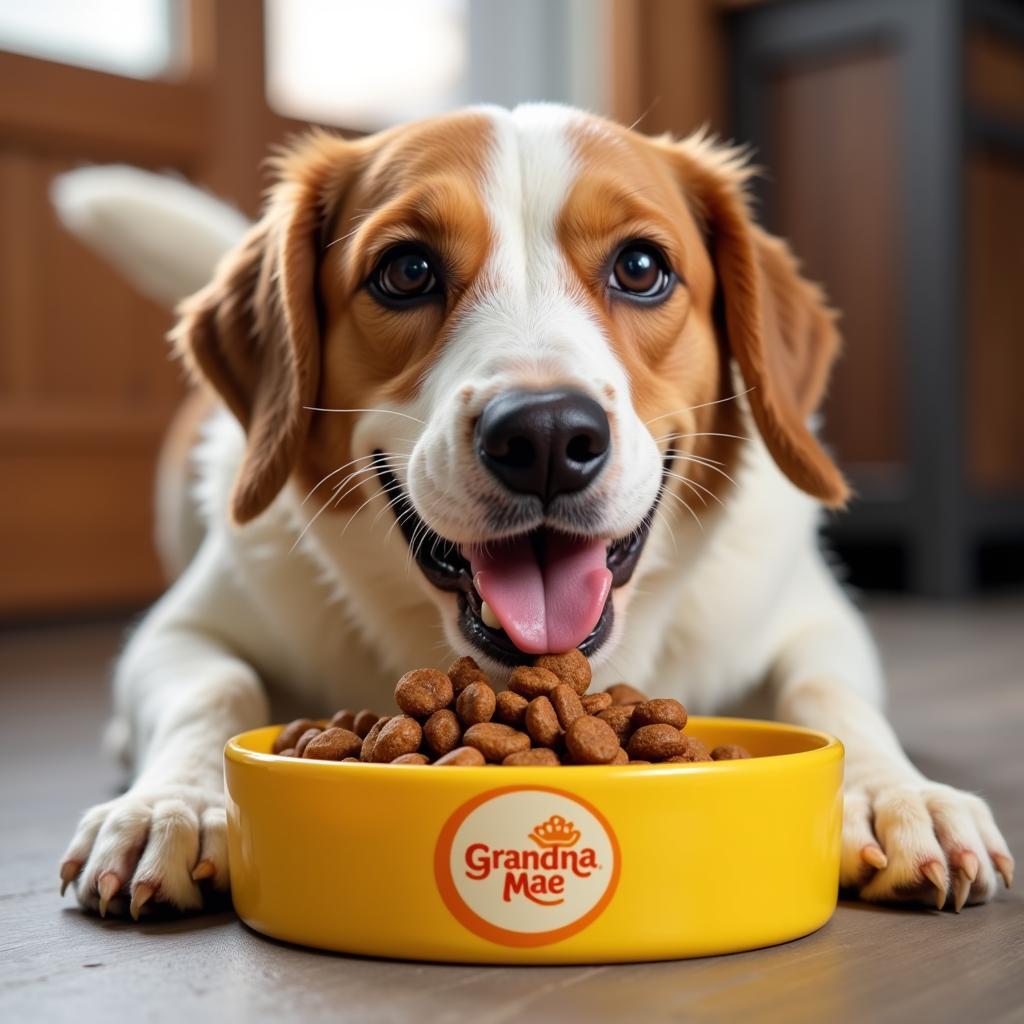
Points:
x=164, y=235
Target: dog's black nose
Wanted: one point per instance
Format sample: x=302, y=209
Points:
x=543, y=442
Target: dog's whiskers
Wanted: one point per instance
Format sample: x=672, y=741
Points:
x=707, y=465
x=703, y=405
x=389, y=412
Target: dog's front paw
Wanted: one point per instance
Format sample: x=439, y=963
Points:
x=153, y=848
x=923, y=842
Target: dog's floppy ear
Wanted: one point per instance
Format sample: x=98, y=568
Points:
x=253, y=332
x=779, y=328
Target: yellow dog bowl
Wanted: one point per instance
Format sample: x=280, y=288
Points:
x=537, y=864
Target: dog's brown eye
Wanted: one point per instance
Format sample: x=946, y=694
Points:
x=640, y=271
x=404, y=273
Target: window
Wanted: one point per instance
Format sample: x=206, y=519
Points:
x=365, y=64
x=136, y=38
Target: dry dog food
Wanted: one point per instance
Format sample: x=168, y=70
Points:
x=545, y=717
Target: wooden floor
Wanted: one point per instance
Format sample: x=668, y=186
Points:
x=958, y=699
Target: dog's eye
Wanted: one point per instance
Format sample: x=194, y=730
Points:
x=640, y=271
x=405, y=273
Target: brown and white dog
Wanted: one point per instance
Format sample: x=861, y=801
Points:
x=493, y=384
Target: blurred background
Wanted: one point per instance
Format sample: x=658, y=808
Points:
x=892, y=137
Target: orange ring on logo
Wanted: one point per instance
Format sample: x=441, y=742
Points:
x=468, y=917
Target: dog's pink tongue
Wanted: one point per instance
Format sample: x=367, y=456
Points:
x=548, y=605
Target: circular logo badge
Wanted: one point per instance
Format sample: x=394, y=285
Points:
x=526, y=866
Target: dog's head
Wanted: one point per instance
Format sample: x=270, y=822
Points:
x=528, y=322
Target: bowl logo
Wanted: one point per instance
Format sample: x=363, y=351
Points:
x=526, y=866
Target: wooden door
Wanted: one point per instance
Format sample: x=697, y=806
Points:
x=86, y=383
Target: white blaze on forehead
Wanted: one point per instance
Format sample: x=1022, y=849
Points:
x=529, y=322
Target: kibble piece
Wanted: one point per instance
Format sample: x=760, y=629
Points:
x=304, y=739
x=532, y=682
x=533, y=756
x=370, y=739
x=290, y=734
x=729, y=752
x=462, y=756
x=476, y=704
x=442, y=732
x=639, y=761
x=693, y=750
x=496, y=741
x=571, y=668
x=400, y=735
x=464, y=671
x=594, y=703
x=365, y=720
x=566, y=702
x=623, y=693
x=660, y=711
x=350, y=760
x=591, y=741
x=621, y=757
x=656, y=742
x=620, y=718
x=414, y=758
x=289, y=752
x=344, y=719
x=542, y=722
x=333, y=745
x=511, y=709
x=423, y=691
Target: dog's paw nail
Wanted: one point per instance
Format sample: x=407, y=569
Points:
x=107, y=887
x=1004, y=865
x=141, y=895
x=934, y=873
x=969, y=865
x=961, y=889
x=204, y=869
x=873, y=855
x=68, y=873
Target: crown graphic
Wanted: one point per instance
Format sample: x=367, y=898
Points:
x=556, y=831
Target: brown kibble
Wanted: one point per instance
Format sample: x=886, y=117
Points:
x=511, y=709
x=413, y=758
x=693, y=750
x=371, y=737
x=542, y=722
x=423, y=691
x=620, y=718
x=290, y=752
x=623, y=693
x=464, y=671
x=304, y=739
x=496, y=741
x=656, y=742
x=532, y=682
x=572, y=668
x=290, y=734
x=566, y=702
x=442, y=732
x=660, y=711
x=639, y=761
x=729, y=752
x=621, y=757
x=533, y=756
x=594, y=703
x=344, y=719
x=399, y=735
x=591, y=741
x=476, y=704
x=365, y=720
x=333, y=745
x=350, y=760
x=462, y=756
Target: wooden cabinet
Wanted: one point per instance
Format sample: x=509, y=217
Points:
x=893, y=135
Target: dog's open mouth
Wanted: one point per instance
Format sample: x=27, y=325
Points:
x=535, y=593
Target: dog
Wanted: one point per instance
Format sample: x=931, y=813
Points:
x=496, y=383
